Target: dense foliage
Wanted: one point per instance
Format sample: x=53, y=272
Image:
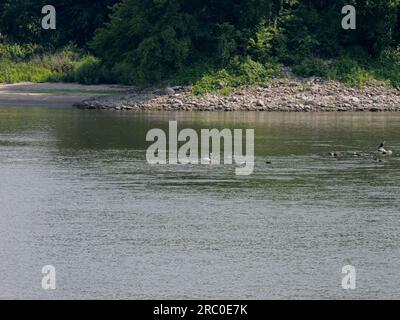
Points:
x=20, y=20
x=148, y=41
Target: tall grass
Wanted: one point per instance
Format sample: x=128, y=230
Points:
x=20, y=63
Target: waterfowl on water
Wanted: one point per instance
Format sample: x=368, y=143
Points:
x=334, y=154
x=207, y=159
x=383, y=151
x=377, y=159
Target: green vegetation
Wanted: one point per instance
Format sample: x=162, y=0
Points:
x=238, y=73
x=353, y=70
x=214, y=45
x=32, y=63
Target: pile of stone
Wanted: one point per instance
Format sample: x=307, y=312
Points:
x=282, y=94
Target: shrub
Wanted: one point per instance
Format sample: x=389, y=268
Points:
x=29, y=63
x=357, y=78
x=11, y=72
x=213, y=82
x=226, y=91
x=311, y=67
x=389, y=66
x=345, y=65
x=62, y=63
x=239, y=73
x=260, y=46
x=350, y=72
x=17, y=52
x=89, y=71
x=249, y=72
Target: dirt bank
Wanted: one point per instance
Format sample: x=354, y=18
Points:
x=52, y=94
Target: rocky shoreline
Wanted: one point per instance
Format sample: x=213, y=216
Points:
x=283, y=94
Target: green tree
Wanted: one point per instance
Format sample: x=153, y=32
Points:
x=20, y=20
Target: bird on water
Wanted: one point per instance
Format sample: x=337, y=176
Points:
x=382, y=150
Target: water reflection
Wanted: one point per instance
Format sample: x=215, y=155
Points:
x=76, y=192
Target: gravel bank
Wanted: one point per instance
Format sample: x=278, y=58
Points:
x=287, y=95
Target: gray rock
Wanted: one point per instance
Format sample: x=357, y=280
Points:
x=374, y=109
x=260, y=103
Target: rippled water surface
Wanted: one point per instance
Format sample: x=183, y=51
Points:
x=77, y=193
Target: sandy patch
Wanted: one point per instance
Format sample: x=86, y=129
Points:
x=52, y=94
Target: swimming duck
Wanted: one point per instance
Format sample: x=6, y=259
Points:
x=378, y=159
x=382, y=150
x=334, y=154
x=207, y=159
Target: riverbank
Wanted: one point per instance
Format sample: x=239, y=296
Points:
x=282, y=94
x=54, y=95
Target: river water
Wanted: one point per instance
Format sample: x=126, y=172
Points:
x=77, y=193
